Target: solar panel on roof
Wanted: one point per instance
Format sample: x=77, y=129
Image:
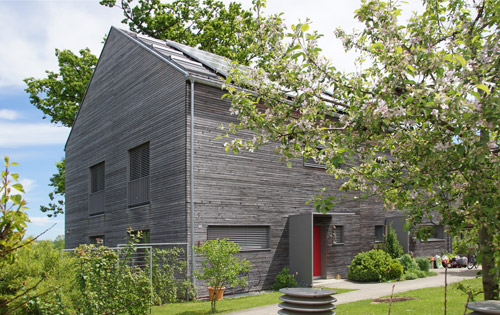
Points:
x=215, y=62
x=187, y=60
x=168, y=49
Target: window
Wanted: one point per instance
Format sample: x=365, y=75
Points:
x=145, y=236
x=313, y=163
x=379, y=233
x=139, y=162
x=97, y=178
x=139, y=257
x=338, y=234
x=97, y=186
x=97, y=239
x=248, y=237
x=437, y=233
x=138, y=186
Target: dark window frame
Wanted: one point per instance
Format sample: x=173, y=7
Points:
x=338, y=230
x=96, y=189
x=438, y=233
x=93, y=239
x=139, y=172
x=146, y=236
x=97, y=181
x=312, y=163
x=379, y=233
x=139, y=162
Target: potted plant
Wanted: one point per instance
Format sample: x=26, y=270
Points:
x=220, y=268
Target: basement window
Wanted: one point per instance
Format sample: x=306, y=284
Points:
x=97, y=240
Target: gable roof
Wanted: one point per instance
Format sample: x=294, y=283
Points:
x=204, y=67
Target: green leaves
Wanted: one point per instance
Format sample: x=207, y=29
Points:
x=108, y=281
x=421, y=120
x=484, y=88
x=59, y=95
x=219, y=265
x=13, y=218
x=226, y=30
x=57, y=181
x=18, y=187
x=461, y=60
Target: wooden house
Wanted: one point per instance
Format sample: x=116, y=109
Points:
x=143, y=154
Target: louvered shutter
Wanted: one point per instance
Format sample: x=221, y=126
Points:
x=97, y=178
x=138, y=186
x=248, y=237
x=139, y=162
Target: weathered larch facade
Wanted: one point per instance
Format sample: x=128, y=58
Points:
x=131, y=150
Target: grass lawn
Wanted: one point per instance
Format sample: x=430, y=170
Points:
x=429, y=301
x=225, y=306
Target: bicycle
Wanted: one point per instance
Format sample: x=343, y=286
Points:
x=472, y=262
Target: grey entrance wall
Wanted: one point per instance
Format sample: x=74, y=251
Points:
x=398, y=224
x=301, y=247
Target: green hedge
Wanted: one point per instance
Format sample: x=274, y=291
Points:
x=375, y=265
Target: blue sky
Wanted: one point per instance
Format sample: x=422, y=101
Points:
x=32, y=29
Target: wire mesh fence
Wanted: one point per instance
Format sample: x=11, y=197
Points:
x=163, y=267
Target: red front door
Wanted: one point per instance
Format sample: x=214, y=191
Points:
x=316, y=250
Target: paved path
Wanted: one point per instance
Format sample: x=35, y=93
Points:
x=366, y=291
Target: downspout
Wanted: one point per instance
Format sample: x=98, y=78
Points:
x=191, y=180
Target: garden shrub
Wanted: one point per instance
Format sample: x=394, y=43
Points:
x=40, y=265
x=421, y=273
x=395, y=270
x=220, y=267
x=408, y=263
x=170, y=281
x=284, y=280
x=410, y=275
x=108, y=284
x=423, y=264
x=374, y=265
x=392, y=246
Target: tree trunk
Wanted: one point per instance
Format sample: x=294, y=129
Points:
x=490, y=280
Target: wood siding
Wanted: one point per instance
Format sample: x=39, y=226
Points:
x=133, y=98
x=255, y=189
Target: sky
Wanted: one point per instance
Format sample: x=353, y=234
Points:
x=31, y=30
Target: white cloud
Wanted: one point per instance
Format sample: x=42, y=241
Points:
x=31, y=30
x=9, y=114
x=43, y=221
x=28, y=184
x=15, y=135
